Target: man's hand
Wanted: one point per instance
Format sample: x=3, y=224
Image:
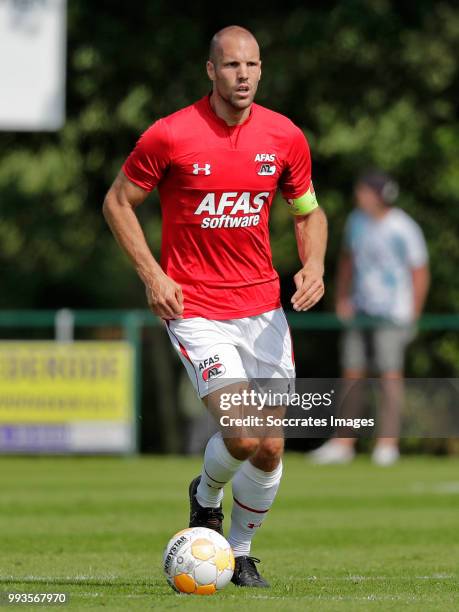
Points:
x=165, y=297
x=309, y=286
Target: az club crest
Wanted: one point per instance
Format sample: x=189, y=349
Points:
x=266, y=169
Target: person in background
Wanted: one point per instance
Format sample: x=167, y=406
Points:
x=383, y=274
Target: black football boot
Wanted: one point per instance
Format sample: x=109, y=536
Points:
x=212, y=518
x=246, y=573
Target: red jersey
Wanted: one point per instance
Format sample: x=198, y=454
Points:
x=216, y=185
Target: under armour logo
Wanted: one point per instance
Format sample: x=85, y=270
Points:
x=204, y=169
x=253, y=525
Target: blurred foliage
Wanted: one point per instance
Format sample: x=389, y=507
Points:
x=371, y=82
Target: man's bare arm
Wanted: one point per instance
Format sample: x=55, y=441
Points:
x=164, y=295
x=311, y=238
x=344, y=306
x=421, y=282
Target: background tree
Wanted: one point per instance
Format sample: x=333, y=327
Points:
x=370, y=82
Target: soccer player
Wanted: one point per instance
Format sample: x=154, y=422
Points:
x=217, y=165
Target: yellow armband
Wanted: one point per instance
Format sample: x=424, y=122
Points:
x=304, y=204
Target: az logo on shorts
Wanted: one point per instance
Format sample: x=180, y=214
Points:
x=211, y=368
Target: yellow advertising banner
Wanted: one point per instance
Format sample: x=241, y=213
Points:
x=51, y=382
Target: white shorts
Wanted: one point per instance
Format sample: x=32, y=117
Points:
x=258, y=347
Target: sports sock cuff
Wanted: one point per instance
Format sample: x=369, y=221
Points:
x=223, y=455
x=264, y=479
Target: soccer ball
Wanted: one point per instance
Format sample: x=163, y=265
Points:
x=198, y=561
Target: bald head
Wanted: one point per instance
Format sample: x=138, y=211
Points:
x=234, y=67
x=231, y=35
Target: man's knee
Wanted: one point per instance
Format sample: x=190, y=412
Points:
x=242, y=448
x=265, y=452
x=271, y=447
x=268, y=454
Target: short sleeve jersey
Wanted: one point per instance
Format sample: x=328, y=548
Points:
x=384, y=253
x=216, y=185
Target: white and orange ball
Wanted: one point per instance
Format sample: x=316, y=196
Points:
x=198, y=561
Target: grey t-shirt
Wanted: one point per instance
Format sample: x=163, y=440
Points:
x=384, y=253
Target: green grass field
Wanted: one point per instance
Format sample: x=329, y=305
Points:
x=339, y=538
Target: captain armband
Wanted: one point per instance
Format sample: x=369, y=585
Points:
x=304, y=204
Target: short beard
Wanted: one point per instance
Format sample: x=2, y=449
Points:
x=234, y=105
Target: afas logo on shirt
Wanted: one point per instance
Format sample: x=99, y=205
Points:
x=231, y=202
x=265, y=157
x=231, y=209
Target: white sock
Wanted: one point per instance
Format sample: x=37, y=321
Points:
x=253, y=493
x=218, y=469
